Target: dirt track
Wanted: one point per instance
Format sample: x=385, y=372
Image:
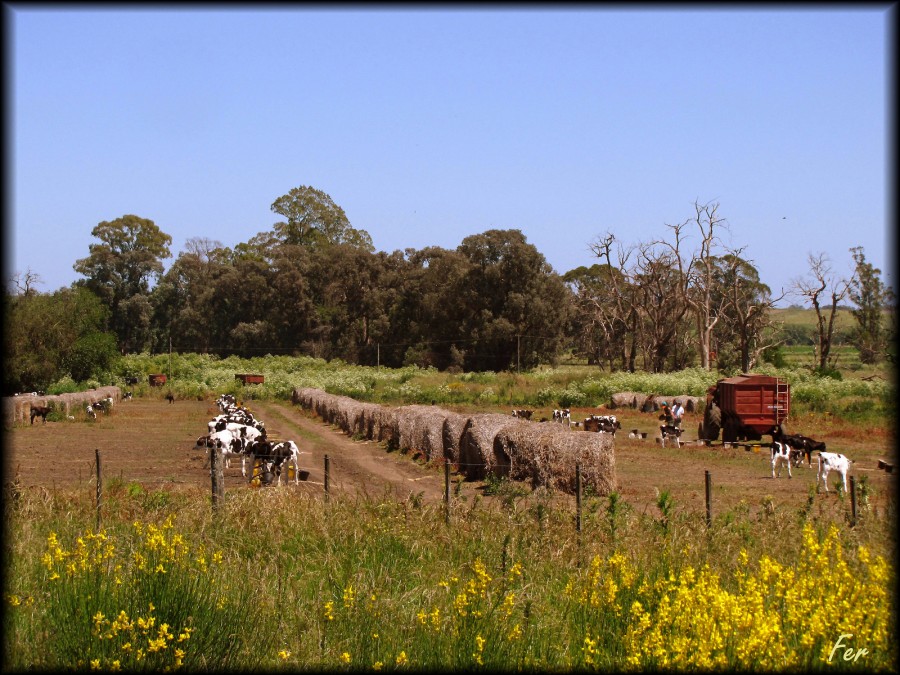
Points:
x=152, y=442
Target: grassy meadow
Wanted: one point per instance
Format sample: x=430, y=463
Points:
x=284, y=581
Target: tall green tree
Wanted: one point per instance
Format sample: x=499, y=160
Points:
x=518, y=307
x=49, y=336
x=313, y=219
x=120, y=270
x=871, y=297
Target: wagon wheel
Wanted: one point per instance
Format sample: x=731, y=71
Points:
x=712, y=422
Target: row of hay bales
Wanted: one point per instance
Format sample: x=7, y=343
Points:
x=477, y=444
x=652, y=402
x=18, y=408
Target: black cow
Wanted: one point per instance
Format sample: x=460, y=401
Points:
x=39, y=411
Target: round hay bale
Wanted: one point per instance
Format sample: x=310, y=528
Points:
x=386, y=426
x=623, y=399
x=476, y=445
x=689, y=403
x=647, y=402
x=547, y=456
x=452, y=431
x=421, y=428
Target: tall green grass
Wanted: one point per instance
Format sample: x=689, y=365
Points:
x=293, y=581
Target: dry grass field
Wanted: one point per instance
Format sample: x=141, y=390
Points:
x=152, y=443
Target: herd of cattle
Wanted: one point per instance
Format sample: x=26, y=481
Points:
x=786, y=449
x=235, y=433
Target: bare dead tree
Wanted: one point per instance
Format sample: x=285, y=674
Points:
x=824, y=290
x=616, y=306
x=25, y=282
x=697, y=287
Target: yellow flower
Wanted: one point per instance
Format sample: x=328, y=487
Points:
x=401, y=659
x=95, y=664
x=13, y=600
x=345, y=657
x=377, y=665
x=284, y=654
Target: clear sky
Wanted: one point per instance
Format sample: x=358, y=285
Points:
x=427, y=124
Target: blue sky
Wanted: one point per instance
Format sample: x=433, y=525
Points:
x=428, y=124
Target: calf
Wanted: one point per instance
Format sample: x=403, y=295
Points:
x=273, y=456
x=225, y=443
x=667, y=431
x=170, y=397
x=832, y=461
x=127, y=396
x=802, y=445
x=563, y=416
x=782, y=453
x=39, y=411
x=523, y=414
x=605, y=424
x=90, y=411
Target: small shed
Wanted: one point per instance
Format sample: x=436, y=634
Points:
x=247, y=378
x=157, y=379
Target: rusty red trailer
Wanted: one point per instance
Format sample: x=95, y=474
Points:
x=745, y=407
x=247, y=378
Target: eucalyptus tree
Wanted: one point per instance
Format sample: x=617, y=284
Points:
x=120, y=269
x=182, y=299
x=48, y=336
x=518, y=307
x=872, y=298
x=745, y=328
x=312, y=218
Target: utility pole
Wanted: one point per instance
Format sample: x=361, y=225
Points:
x=518, y=350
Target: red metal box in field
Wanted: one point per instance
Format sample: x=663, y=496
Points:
x=250, y=379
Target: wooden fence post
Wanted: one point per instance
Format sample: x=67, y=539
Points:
x=327, y=474
x=708, y=499
x=99, y=487
x=578, y=496
x=852, y=501
x=215, y=471
x=447, y=490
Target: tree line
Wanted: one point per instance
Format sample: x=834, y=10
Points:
x=315, y=285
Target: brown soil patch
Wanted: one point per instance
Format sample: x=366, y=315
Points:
x=152, y=442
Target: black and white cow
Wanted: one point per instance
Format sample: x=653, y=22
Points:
x=782, y=453
x=273, y=457
x=605, y=424
x=803, y=446
x=670, y=431
x=563, y=416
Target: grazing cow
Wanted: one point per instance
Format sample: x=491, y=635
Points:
x=523, y=414
x=131, y=380
x=805, y=446
x=39, y=411
x=170, y=397
x=563, y=416
x=832, y=461
x=273, y=456
x=782, y=453
x=605, y=424
x=225, y=443
x=667, y=431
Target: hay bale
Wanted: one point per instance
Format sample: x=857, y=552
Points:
x=452, y=431
x=547, y=456
x=386, y=426
x=476, y=445
x=623, y=399
x=421, y=428
x=689, y=403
